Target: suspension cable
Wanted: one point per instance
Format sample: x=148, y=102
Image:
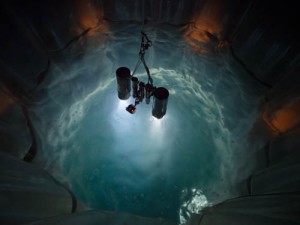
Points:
x=136, y=67
x=145, y=44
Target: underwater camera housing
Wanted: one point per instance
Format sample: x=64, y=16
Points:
x=141, y=91
x=123, y=83
x=160, y=102
x=126, y=81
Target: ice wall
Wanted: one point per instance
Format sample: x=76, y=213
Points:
x=28, y=193
x=67, y=85
x=122, y=162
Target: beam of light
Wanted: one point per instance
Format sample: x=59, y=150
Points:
x=139, y=137
x=158, y=130
x=139, y=151
x=121, y=120
x=122, y=104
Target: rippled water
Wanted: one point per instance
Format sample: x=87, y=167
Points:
x=156, y=168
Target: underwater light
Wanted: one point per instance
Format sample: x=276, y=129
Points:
x=140, y=90
x=131, y=109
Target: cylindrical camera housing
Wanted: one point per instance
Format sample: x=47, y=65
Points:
x=123, y=82
x=135, y=82
x=148, y=88
x=141, y=91
x=160, y=102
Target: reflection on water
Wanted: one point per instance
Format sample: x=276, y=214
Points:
x=167, y=168
x=195, y=201
x=137, y=163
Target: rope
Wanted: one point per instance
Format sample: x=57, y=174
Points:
x=136, y=66
x=145, y=44
x=147, y=70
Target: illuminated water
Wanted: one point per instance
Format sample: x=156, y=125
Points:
x=134, y=163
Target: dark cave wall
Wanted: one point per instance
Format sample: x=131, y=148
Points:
x=266, y=38
x=263, y=33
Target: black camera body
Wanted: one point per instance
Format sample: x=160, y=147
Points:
x=131, y=109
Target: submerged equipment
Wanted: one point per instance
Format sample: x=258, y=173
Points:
x=140, y=90
x=160, y=101
x=123, y=81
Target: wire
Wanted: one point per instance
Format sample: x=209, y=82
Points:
x=145, y=44
x=150, y=80
x=136, y=66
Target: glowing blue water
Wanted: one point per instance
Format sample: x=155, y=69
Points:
x=156, y=168
x=140, y=164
